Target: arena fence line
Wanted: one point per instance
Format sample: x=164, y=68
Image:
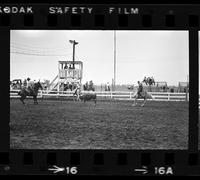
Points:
x=115, y=95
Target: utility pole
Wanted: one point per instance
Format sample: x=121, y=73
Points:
x=114, y=83
x=73, y=57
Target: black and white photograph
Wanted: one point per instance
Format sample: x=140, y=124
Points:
x=99, y=89
x=199, y=94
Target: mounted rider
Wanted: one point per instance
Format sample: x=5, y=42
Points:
x=140, y=89
x=30, y=86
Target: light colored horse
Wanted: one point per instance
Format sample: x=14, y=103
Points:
x=144, y=94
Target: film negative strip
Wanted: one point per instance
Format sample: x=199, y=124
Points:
x=99, y=89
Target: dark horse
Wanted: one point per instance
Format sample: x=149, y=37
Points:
x=32, y=92
x=88, y=97
x=84, y=97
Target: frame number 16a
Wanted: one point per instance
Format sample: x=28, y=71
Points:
x=163, y=170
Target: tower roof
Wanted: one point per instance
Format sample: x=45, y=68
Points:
x=71, y=62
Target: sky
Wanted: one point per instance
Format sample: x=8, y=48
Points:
x=161, y=54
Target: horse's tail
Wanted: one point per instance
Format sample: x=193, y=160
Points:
x=150, y=96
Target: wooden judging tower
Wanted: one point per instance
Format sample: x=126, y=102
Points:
x=68, y=72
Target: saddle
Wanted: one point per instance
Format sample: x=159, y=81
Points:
x=30, y=91
x=141, y=94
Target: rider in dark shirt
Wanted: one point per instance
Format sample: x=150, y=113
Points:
x=140, y=88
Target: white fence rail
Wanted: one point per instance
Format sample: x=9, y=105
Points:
x=116, y=95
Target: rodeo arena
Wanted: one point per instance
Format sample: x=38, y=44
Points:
x=66, y=113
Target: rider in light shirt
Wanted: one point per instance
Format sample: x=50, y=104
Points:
x=78, y=90
x=30, y=85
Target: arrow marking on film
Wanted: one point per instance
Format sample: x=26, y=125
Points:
x=143, y=170
x=56, y=169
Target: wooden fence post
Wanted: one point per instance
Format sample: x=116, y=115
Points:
x=186, y=96
x=41, y=94
x=168, y=96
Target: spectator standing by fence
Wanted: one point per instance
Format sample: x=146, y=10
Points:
x=91, y=86
x=107, y=88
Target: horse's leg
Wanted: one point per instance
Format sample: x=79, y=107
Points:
x=78, y=99
x=95, y=102
x=22, y=100
x=36, y=100
x=135, y=101
x=145, y=99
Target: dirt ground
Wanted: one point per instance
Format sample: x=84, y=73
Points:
x=55, y=124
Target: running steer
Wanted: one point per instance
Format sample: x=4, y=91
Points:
x=88, y=97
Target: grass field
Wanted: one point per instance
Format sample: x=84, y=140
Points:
x=54, y=124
